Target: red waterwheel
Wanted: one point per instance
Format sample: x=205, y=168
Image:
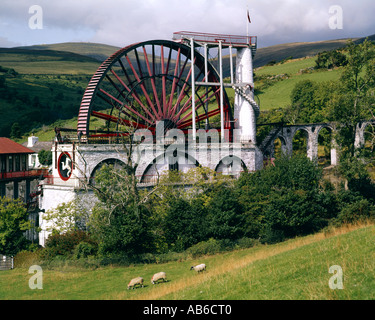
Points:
x=148, y=82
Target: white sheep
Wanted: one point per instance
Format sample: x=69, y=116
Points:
x=199, y=267
x=158, y=276
x=135, y=281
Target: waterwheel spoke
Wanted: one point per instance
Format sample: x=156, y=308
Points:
x=159, y=113
x=134, y=96
x=174, y=84
x=116, y=106
x=124, y=105
x=115, y=119
x=182, y=95
x=189, y=122
x=144, y=92
x=198, y=103
x=163, y=93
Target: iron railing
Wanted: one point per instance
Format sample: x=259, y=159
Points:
x=213, y=38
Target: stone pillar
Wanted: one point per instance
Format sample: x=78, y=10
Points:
x=312, y=145
x=243, y=111
x=359, y=141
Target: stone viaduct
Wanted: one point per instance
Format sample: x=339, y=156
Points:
x=287, y=133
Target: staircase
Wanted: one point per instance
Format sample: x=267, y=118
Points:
x=271, y=136
x=241, y=90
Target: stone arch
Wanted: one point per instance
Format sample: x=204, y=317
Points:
x=231, y=165
x=300, y=141
x=326, y=148
x=117, y=164
x=279, y=149
x=182, y=162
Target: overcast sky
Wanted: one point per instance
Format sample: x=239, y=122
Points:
x=123, y=22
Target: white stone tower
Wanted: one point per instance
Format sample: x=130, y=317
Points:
x=246, y=110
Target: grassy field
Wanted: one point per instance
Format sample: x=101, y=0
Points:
x=278, y=94
x=293, y=270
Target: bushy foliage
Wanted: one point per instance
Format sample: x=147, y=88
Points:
x=358, y=211
x=331, y=59
x=64, y=244
x=13, y=223
x=45, y=157
x=85, y=249
x=284, y=200
x=185, y=223
x=120, y=220
x=358, y=178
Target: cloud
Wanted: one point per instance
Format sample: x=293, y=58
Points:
x=5, y=43
x=124, y=22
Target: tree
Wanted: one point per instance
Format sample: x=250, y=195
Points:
x=13, y=223
x=357, y=177
x=119, y=221
x=284, y=200
x=354, y=100
x=330, y=59
x=66, y=217
x=308, y=102
x=45, y=157
x=15, y=131
x=185, y=223
x=225, y=216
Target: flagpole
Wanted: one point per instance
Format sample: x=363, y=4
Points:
x=247, y=23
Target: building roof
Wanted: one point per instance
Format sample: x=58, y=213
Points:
x=8, y=146
x=40, y=145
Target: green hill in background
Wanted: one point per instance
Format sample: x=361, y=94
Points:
x=42, y=84
x=295, y=50
x=96, y=51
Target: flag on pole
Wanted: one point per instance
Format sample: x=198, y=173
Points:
x=248, y=16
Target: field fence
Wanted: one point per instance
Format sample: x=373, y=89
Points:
x=6, y=263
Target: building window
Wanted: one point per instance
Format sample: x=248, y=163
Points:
x=3, y=161
x=10, y=167
x=23, y=163
x=17, y=163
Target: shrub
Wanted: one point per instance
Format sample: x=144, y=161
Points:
x=211, y=246
x=64, y=244
x=26, y=258
x=245, y=243
x=355, y=212
x=84, y=249
x=225, y=215
x=184, y=223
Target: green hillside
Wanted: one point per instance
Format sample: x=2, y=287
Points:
x=51, y=62
x=44, y=84
x=297, y=269
x=295, y=50
x=275, y=83
x=97, y=51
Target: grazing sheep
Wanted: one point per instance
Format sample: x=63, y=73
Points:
x=135, y=281
x=199, y=267
x=158, y=276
